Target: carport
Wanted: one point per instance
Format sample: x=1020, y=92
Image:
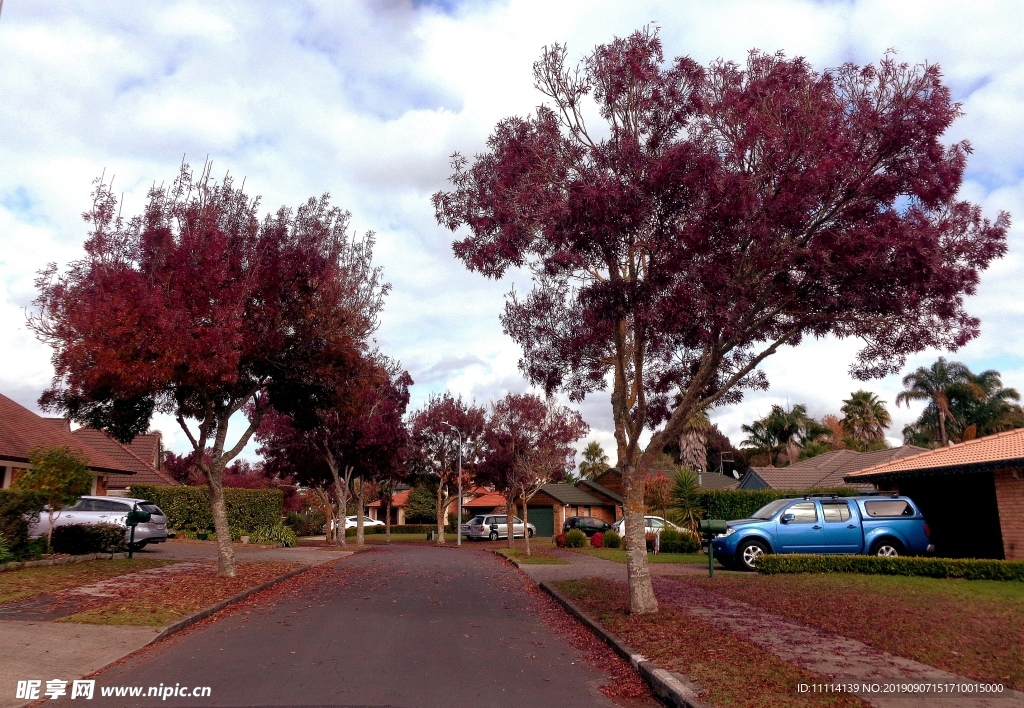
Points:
x=972, y=494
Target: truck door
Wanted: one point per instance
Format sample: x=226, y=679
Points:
x=842, y=532
x=799, y=530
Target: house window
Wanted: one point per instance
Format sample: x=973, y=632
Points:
x=586, y=511
x=3, y=477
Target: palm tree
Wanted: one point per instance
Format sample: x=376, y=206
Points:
x=989, y=409
x=760, y=441
x=685, y=503
x=595, y=461
x=693, y=443
x=937, y=385
x=865, y=417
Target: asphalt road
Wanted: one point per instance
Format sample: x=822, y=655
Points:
x=405, y=626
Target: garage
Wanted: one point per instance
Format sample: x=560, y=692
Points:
x=543, y=517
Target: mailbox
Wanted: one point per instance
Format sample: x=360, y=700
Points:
x=713, y=527
x=136, y=517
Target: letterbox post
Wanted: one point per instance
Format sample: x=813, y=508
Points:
x=131, y=523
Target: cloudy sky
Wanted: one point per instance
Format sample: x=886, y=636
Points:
x=367, y=101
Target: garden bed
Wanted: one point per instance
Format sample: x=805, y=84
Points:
x=28, y=582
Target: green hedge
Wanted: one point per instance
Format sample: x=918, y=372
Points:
x=676, y=542
x=79, y=539
x=188, y=508
x=966, y=568
x=18, y=511
x=730, y=504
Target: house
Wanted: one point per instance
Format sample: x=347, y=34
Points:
x=375, y=510
x=141, y=456
x=822, y=471
x=972, y=494
x=21, y=430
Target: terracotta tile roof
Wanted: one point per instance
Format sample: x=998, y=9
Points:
x=143, y=472
x=397, y=500
x=485, y=501
x=830, y=468
x=147, y=448
x=21, y=430
x=1007, y=447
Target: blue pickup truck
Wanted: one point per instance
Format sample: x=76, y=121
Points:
x=888, y=525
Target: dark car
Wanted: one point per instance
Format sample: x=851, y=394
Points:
x=587, y=524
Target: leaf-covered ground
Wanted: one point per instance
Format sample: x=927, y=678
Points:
x=970, y=627
x=29, y=582
x=536, y=557
x=619, y=556
x=731, y=670
x=177, y=595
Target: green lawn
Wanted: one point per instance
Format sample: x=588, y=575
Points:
x=969, y=627
x=619, y=556
x=27, y=582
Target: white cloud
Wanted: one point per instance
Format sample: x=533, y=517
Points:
x=368, y=100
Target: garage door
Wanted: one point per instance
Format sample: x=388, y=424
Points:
x=543, y=517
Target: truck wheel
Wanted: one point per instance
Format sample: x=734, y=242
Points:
x=887, y=547
x=494, y=535
x=748, y=554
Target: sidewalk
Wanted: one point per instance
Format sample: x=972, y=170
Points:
x=829, y=655
x=36, y=647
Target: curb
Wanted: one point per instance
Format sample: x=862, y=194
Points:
x=663, y=683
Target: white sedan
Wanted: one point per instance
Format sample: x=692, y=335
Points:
x=350, y=522
x=652, y=524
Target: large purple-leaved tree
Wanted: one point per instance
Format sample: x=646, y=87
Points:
x=702, y=218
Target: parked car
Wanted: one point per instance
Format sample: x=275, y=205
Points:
x=495, y=526
x=350, y=522
x=652, y=524
x=587, y=524
x=888, y=525
x=108, y=510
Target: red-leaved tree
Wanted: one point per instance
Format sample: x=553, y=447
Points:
x=719, y=214
x=435, y=430
x=529, y=442
x=198, y=307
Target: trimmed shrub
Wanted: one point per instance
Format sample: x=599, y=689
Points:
x=678, y=542
x=612, y=539
x=575, y=539
x=597, y=540
x=560, y=540
x=270, y=535
x=18, y=512
x=731, y=504
x=966, y=568
x=188, y=508
x=79, y=539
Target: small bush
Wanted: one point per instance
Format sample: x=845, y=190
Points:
x=79, y=539
x=274, y=534
x=307, y=524
x=560, y=540
x=966, y=568
x=597, y=540
x=612, y=539
x=678, y=542
x=18, y=512
x=575, y=539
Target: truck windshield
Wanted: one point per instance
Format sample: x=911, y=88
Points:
x=769, y=510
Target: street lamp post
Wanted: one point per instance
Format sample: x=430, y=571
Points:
x=458, y=521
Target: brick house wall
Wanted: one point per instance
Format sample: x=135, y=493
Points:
x=1010, y=500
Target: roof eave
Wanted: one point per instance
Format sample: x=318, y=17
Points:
x=972, y=468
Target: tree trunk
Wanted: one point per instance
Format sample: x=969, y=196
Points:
x=526, y=526
x=440, y=511
x=387, y=513
x=325, y=498
x=225, y=552
x=942, y=428
x=510, y=515
x=341, y=491
x=360, y=538
x=641, y=591
x=49, y=534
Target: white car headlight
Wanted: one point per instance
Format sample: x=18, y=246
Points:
x=730, y=532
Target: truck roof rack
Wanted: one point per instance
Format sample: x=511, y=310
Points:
x=894, y=495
